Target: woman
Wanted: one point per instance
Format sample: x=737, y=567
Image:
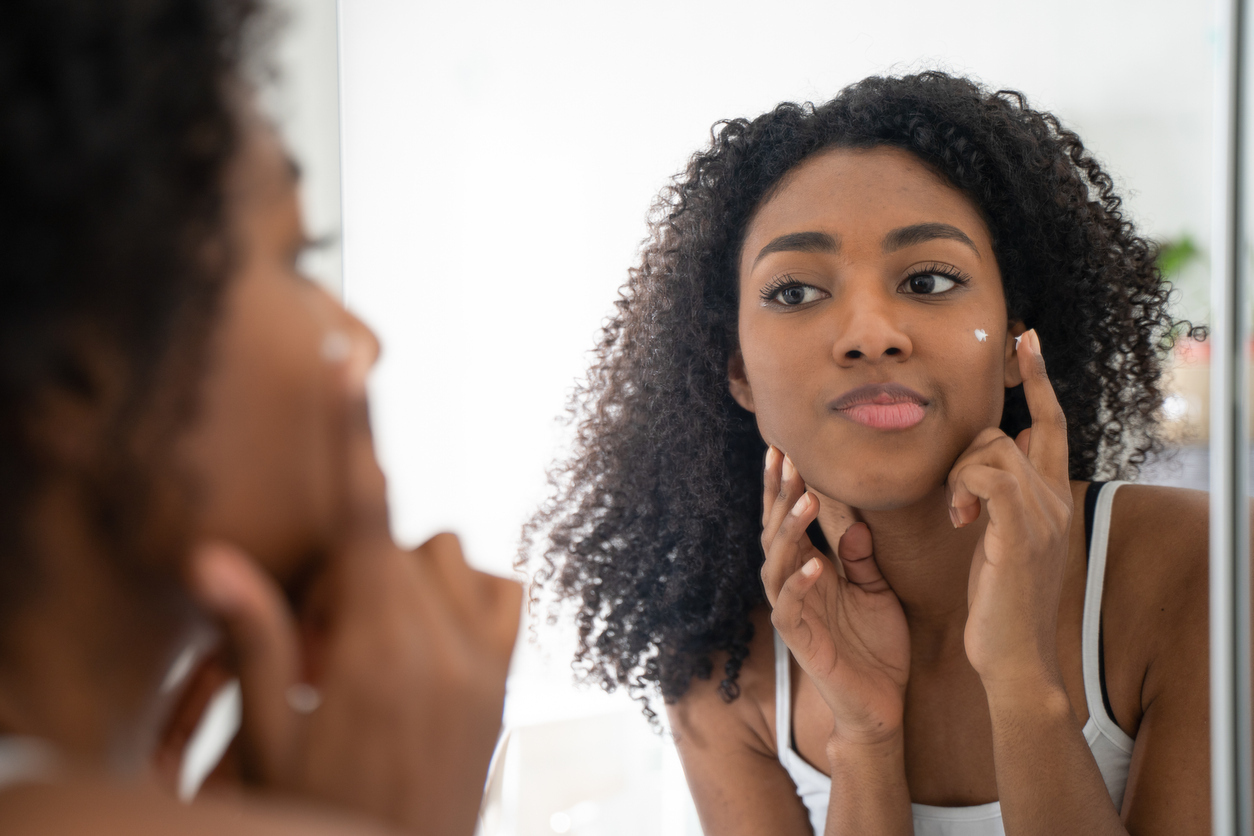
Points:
x=188, y=456
x=920, y=306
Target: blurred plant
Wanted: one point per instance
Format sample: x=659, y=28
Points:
x=1174, y=256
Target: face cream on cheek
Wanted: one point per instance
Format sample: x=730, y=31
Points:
x=981, y=334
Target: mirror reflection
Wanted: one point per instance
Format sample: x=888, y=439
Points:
x=819, y=401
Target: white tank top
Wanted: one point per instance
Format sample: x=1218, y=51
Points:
x=1111, y=747
x=25, y=760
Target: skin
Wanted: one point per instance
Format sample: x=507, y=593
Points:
x=295, y=572
x=936, y=653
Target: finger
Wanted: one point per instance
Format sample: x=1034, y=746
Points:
x=1000, y=493
x=770, y=481
x=1024, y=440
x=791, y=487
x=442, y=557
x=858, y=559
x=364, y=510
x=500, y=614
x=262, y=635
x=488, y=605
x=992, y=448
x=1048, y=451
x=790, y=546
x=788, y=612
x=362, y=531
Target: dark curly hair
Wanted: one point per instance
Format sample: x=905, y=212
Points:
x=118, y=119
x=652, y=530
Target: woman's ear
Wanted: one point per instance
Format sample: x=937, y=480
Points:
x=1016, y=330
x=738, y=382
x=86, y=385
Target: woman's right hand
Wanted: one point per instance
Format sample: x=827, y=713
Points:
x=408, y=653
x=848, y=633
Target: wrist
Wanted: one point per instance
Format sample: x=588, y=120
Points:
x=859, y=752
x=1021, y=676
x=1040, y=692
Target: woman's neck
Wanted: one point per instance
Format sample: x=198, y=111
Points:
x=82, y=660
x=926, y=561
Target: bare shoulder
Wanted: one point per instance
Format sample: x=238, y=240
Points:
x=1158, y=547
x=99, y=807
x=704, y=709
x=728, y=747
x=1154, y=604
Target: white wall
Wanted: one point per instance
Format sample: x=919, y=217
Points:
x=303, y=100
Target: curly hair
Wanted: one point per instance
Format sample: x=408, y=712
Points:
x=652, y=528
x=119, y=119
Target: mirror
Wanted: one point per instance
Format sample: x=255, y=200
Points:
x=499, y=164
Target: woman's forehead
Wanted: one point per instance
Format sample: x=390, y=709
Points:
x=862, y=192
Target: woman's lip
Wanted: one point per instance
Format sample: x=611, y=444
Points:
x=882, y=406
x=894, y=416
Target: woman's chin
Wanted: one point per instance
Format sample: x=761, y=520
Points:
x=876, y=491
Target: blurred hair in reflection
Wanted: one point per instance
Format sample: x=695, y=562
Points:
x=190, y=490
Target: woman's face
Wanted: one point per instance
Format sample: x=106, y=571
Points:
x=263, y=448
x=874, y=341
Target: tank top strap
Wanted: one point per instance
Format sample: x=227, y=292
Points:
x=783, y=697
x=1091, y=651
x=25, y=760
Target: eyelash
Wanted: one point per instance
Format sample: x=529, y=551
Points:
x=776, y=285
x=950, y=272
x=937, y=269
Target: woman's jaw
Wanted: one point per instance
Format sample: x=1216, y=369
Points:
x=874, y=340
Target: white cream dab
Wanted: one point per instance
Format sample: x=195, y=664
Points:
x=981, y=334
x=1017, y=341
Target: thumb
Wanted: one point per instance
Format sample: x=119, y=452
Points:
x=858, y=559
x=1023, y=440
x=262, y=635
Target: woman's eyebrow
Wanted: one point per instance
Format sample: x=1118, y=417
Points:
x=907, y=236
x=800, y=242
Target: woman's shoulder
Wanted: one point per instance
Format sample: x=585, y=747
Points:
x=1154, y=601
x=101, y=807
x=1157, y=553
x=1159, y=534
x=705, y=706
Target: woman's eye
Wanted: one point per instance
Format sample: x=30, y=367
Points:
x=796, y=294
x=930, y=283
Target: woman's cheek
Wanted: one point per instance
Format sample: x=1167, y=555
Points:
x=975, y=360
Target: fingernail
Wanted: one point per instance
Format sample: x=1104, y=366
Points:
x=803, y=505
x=811, y=568
x=953, y=517
x=217, y=584
x=771, y=455
x=789, y=470
x=336, y=347
x=1035, y=341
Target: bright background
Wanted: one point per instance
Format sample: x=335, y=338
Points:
x=498, y=159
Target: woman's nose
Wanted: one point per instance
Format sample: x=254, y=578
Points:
x=869, y=332
x=364, y=336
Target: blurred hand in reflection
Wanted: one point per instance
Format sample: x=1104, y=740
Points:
x=384, y=693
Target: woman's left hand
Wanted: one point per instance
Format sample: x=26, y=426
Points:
x=1017, y=570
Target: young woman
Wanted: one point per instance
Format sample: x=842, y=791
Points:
x=889, y=343
x=187, y=456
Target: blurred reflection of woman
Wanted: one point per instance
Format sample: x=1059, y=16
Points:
x=921, y=307
x=186, y=453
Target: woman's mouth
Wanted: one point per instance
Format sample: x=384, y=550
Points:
x=882, y=406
